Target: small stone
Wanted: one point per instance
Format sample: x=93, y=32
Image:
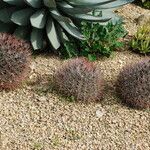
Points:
x=33, y=66
x=43, y=98
x=33, y=76
x=142, y=19
x=99, y=113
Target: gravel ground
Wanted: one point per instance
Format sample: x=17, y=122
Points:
x=36, y=118
x=131, y=13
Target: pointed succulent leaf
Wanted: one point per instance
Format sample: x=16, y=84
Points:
x=34, y=3
x=72, y=30
x=88, y=2
x=38, y=19
x=37, y=38
x=52, y=34
x=15, y=2
x=22, y=17
x=7, y=28
x=59, y=17
x=5, y=14
x=114, y=4
x=22, y=32
x=50, y=3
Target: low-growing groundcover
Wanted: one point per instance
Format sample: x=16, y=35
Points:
x=101, y=40
x=141, y=40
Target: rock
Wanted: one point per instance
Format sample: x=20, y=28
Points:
x=33, y=66
x=33, y=76
x=142, y=19
x=99, y=113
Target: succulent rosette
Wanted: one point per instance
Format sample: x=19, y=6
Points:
x=51, y=21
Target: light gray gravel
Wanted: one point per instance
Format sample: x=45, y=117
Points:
x=36, y=118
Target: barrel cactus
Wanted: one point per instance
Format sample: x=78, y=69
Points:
x=14, y=61
x=80, y=79
x=133, y=84
x=51, y=21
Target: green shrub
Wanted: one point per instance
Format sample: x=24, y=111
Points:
x=141, y=41
x=147, y=4
x=100, y=40
x=14, y=61
x=80, y=79
x=133, y=85
x=143, y=3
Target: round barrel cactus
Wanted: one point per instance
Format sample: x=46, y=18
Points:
x=51, y=21
x=14, y=61
x=81, y=79
x=133, y=84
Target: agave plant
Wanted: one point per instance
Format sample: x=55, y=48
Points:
x=51, y=21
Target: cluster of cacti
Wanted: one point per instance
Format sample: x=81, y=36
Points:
x=51, y=21
x=77, y=78
x=14, y=61
x=81, y=79
x=133, y=84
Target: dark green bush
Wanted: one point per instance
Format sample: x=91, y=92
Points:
x=143, y=3
x=101, y=40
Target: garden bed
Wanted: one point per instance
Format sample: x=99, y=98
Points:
x=35, y=117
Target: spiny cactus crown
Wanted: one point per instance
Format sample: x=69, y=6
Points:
x=14, y=61
x=81, y=79
x=134, y=84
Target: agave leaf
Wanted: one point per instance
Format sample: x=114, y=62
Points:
x=3, y=5
x=59, y=17
x=34, y=3
x=66, y=8
x=50, y=3
x=61, y=34
x=5, y=27
x=89, y=17
x=15, y=2
x=38, y=19
x=5, y=14
x=115, y=4
x=72, y=30
x=37, y=39
x=52, y=34
x=22, y=17
x=88, y=2
x=22, y=32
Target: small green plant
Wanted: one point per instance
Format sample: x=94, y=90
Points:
x=37, y=146
x=147, y=4
x=141, y=41
x=100, y=40
x=81, y=79
x=133, y=85
x=14, y=61
x=143, y=3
